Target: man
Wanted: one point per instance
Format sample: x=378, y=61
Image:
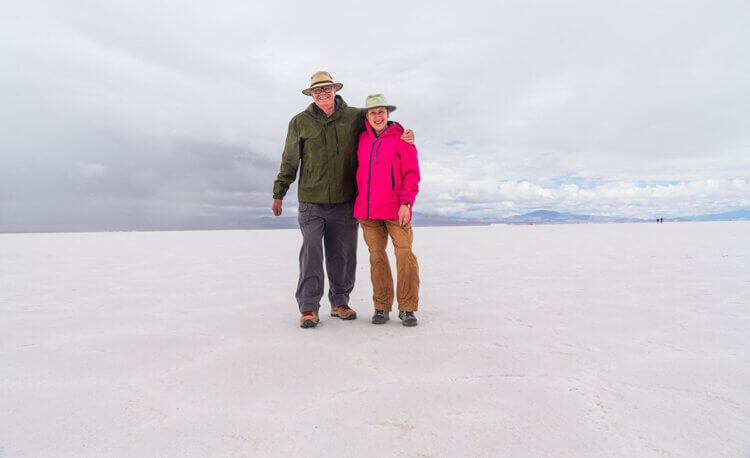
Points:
x=323, y=140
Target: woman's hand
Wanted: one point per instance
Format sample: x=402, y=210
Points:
x=404, y=215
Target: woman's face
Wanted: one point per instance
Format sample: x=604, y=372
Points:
x=378, y=118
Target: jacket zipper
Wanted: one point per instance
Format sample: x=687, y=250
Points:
x=378, y=150
x=369, y=177
x=336, y=133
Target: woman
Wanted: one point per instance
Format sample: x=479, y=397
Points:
x=388, y=182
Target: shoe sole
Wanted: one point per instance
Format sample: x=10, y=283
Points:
x=353, y=317
x=308, y=324
x=379, y=321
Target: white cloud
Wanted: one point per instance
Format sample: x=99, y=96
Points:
x=91, y=170
x=622, y=95
x=627, y=199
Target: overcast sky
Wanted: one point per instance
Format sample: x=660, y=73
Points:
x=132, y=114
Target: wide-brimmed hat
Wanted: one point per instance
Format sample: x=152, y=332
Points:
x=321, y=79
x=378, y=100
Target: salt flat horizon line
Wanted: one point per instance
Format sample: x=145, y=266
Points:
x=294, y=228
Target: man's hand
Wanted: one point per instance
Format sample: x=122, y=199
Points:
x=276, y=207
x=408, y=136
x=404, y=215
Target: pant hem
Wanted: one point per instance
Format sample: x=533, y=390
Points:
x=407, y=308
x=309, y=308
x=335, y=304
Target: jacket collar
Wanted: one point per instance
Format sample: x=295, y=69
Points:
x=393, y=128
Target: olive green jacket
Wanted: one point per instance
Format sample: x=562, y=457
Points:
x=326, y=149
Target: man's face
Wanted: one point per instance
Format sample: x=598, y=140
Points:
x=324, y=97
x=378, y=118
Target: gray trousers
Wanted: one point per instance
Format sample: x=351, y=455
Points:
x=333, y=229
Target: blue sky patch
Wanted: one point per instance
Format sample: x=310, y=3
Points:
x=581, y=182
x=648, y=184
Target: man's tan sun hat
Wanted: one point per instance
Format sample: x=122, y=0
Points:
x=321, y=79
x=378, y=100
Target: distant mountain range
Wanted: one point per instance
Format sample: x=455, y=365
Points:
x=535, y=217
x=553, y=217
x=420, y=219
x=739, y=215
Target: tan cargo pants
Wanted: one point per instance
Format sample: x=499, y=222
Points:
x=376, y=233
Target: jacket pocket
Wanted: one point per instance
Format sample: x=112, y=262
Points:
x=393, y=183
x=303, y=213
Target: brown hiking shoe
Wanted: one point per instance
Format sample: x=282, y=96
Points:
x=309, y=321
x=344, y=312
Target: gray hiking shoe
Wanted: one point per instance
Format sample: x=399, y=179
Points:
x=380, y=317
x=407, y=318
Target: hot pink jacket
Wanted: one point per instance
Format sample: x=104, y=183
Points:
x=388, y=173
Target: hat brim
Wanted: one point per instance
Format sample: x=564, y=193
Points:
x=308, y=91
x=389, y=107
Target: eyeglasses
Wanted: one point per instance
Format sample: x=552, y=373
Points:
x=318, y=90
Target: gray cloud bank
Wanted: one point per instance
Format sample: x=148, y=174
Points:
x=166, y=115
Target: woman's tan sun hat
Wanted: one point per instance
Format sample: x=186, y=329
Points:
x=378, y=100
x=321, y=79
